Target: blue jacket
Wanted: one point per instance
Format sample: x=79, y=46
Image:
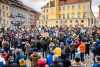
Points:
x=1, y=64
x=49, y=59
x=96, y=65
x=97, y=42
x=18, y=57
x=68, y=41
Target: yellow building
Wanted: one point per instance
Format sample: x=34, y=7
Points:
x=67, y=13
x=4, y=15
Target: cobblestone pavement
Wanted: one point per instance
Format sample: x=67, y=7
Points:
x=89, y=60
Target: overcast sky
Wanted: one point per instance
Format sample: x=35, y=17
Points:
x=37, y=4
x=95, y=4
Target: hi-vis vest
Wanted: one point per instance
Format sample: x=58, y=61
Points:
x=22, y=62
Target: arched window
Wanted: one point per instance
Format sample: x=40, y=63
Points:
x=76, y=21
x=82, y=21
x=70, y=21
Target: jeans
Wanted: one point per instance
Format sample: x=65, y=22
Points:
x=82, y=57
x=72, y=56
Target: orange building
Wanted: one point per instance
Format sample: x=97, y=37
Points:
x=67, y=13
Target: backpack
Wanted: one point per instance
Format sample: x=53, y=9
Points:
x=97, y=50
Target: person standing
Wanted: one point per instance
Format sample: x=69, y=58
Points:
x=50, y=58
x=5, y=45
x=34, y=58
x=57, y=51
x=97, y=62
x=67, y=63
x=57, y=63
x=2, y=61
x=20, y=58
x=1, y=37
x=82, y=48
x=44, y=46
x=27, y=47
x=77, y=63
x=41, y=62
x=6, y=56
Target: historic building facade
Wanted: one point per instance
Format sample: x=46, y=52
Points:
x=69, y=13
x=14, y=14
x=21, y=15
x=4, y=15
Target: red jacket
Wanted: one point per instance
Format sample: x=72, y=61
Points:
x=41, y=62
x=5, y=56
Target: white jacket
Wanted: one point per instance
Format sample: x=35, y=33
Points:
x=2, y=60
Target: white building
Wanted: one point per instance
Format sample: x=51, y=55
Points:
x=4, y=14
x=21, y=15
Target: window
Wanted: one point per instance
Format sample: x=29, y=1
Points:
x=43, y=17
x=8, y=14
x=70, y=21
x=76, y=21
x=47, y=10
x=4, y=13
x=72, y=15
x=82, y=21
x=59, y=17
x=52, y=4
x=58, y=8
x=85, y=7
x=7, y=7
x=63, y=7
x=3, y=7
x=68, y=7
x=78, y=15
x=72, y=7
x=85, y=15
x=63, y=16
x=0, y=13
x=67, y=15
x=4, y=21
x=79, y=6
x=92, y=21
x=65, y=21
x=44, y=10
x=56, y=21
x=46, y=17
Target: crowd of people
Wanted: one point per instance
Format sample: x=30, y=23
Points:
x=49, y=47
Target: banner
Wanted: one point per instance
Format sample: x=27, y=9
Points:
x=45, y=34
